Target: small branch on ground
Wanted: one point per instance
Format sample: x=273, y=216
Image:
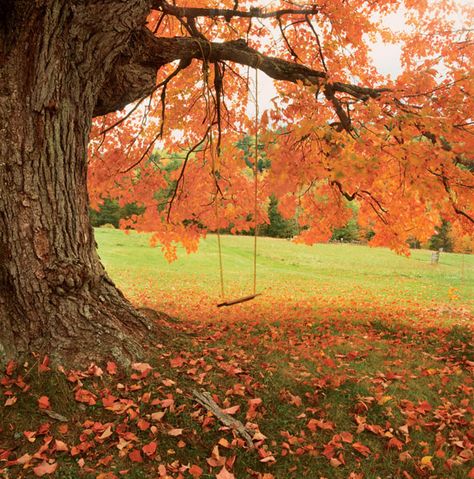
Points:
x=205, y=399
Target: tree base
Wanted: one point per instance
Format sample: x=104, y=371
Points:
x=92, y=326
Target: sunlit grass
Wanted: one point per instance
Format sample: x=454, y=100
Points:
x=338, y=273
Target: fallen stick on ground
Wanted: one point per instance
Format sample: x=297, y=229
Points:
x=205, y=399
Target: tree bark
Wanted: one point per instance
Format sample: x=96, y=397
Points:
x=56, y=57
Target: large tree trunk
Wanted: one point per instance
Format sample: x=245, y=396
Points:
x=55, y=297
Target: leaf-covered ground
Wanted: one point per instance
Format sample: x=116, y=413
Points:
x=338, y=370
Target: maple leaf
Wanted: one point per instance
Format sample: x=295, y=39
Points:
x=11, y=401
x=313, y=424
x=395, y=443
x=43, y=402
x=10, y=369
x=195, y=471
x=43, y=367
x=143, y=368
x=85, y=396
x=106, y=475
x=224, y=474
x=60, y=446
x=150, y=448
x=346, y=436
x=45, y=468
x=177, y=362
x=135, y=456
x=111, y=368
x=231, y=410
x=364, y=450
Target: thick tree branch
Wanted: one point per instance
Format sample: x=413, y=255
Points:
x=192, y=12
x=134, y=75
x=165, y=50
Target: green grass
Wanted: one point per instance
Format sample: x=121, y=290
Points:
x=343, y=334
x=340, y=271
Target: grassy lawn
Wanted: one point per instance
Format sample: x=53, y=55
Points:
x=354, y=363
x=335, y=274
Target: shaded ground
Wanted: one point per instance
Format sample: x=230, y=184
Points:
x=332, y=385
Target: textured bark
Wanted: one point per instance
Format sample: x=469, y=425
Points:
x=56, y=58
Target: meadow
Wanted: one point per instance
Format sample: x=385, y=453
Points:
x=354, y=363
x=291, y=274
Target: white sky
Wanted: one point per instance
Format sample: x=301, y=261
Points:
x=385, y=56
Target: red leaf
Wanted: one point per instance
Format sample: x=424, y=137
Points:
x=313, y=424
x=111, y=368
x=177, y=362
x=44, y=366
x=10, y=367
x=149, y=449
x=231, y=410
x=195, y=471
x=395, y=443
x=43, y=402
x=142, y=424
x=143, y=368
x=364, y=450
x=85, y=396
x=346, y=436
x=135, y=456
x=45, y=468
x=225, y=474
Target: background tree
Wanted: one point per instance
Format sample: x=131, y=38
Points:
x=401, y=148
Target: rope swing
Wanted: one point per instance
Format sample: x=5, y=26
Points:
x=254, y=294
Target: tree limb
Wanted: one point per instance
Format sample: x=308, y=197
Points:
x=192, y=12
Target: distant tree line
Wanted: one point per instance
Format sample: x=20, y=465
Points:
x=110, y=213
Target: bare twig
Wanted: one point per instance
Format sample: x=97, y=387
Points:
x=205, y=399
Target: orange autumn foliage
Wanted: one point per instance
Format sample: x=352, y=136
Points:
x=404, y=154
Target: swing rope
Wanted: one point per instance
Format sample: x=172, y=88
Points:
x=255, y=182
x=255, y=236
x=219, y=244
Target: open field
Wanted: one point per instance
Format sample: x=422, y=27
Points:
x=354, y=363
x=325, y=274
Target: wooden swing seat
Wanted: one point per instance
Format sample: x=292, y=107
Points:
x=243, y=299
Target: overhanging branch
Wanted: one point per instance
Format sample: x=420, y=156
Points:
x=165, y=50
x=228, y=13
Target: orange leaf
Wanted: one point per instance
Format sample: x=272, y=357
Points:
x=195, y=471
x=43, y=402
x=60, y=445
x=142, y=424
x=11, y=401
x=44, y=366
x=45, y=468
x=149, y=449
x=142, y=367
x=346, y=436
x=364, y=450
x=395, y=443
x=225, y=474
x=135, y=456
x=85, y=396
x=111, y=368
x=231, y=410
